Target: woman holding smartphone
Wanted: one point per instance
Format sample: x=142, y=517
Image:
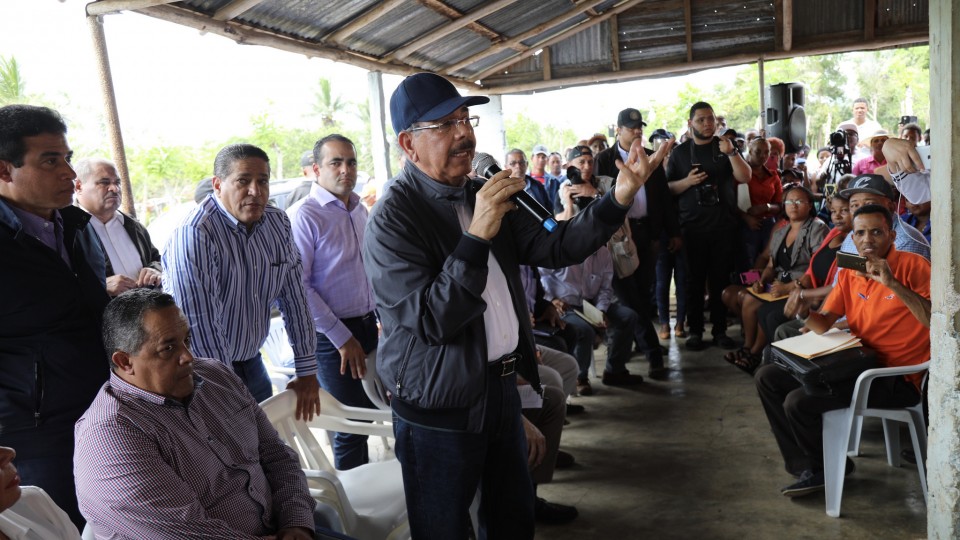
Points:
x=788, y=255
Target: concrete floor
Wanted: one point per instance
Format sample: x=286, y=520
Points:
x=693, y=457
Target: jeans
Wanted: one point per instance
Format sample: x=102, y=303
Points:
x=442, y=470
x=622, y=322
x=671, y=265
x=634, y=291
x=349, y=450
x=254, y=376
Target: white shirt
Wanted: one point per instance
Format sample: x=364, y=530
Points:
x=499, y=319
x=120, y=249
x=639, y=208
x=36, y=517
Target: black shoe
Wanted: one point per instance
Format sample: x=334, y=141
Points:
x=553, y=513
x=621, y=379
x=810, y=482
x=695, y=343
x=573, y=409
x=565, y=460
x=659, y=374
x=724, y=342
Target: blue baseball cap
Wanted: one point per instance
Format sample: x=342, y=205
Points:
x=424, y=97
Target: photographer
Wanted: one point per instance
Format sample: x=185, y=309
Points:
x=581, y=186
x=843, y=142
x=701, y=174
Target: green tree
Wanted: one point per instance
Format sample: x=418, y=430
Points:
x=12, y=86
x=326, y=104
x=524, y=132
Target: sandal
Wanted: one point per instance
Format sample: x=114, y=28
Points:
x=733, y=356
x=748, y=362
x=680, y=332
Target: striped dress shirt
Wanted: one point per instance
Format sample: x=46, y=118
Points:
x=150, y=467
x=329, y=235
x=225, y=280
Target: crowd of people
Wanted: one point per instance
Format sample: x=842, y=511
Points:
x=131, y=379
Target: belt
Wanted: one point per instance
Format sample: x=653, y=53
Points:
x=504, y=366
x=360, y=319
x=639, y=221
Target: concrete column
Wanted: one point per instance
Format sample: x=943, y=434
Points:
x=943, y=460
x=491, y=135
x=378, y=133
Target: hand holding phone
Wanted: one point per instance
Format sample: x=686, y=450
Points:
x=851, y=262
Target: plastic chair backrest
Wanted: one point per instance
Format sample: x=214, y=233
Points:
x=373, y=386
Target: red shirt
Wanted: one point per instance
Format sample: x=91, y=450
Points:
x=767, y=190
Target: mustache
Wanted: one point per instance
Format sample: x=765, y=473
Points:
x=465, y=146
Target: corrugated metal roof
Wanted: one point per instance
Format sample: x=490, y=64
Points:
x=651, y=36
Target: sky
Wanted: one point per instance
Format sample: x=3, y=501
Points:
x=175, y=85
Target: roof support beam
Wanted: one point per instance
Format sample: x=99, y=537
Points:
x=449, y=28
x=777, y=25
x=612, y=12
x=104, y=7
x=234, y=9
x=516, y=41
x=615, y=44
x=688, y=28
x=245, y=35
x=786, y=19
x=856, y=44
x=545, y=62
x=869, y=19
x=368, y=17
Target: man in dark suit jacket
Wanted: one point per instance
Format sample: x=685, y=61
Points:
x=651, y=218
x=132, y=259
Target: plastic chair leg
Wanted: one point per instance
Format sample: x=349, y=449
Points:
x=919, y=439
x=891, y=436
x=836, y=438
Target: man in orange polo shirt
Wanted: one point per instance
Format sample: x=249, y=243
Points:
x=888, y=307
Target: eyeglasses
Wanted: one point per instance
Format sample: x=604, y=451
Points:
x=515, y=163
x=444, y=127
x=795, y=202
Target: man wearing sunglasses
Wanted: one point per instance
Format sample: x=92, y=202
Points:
x=443, y=254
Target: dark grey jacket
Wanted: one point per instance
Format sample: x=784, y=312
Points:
x=149, y=256
x=428, y=277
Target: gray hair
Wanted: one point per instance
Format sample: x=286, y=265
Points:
x=123, y=319
x=84, y=167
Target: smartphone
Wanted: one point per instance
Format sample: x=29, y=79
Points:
x=924, y=152
x=904, y=120
x=748, y=278
x=852, y=262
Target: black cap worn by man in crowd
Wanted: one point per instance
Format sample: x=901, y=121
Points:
x=630, y=118
x=869, y=183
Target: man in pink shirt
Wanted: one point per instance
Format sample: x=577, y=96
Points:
x=875, y=160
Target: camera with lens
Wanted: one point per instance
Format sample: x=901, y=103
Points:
x=573, y=175
x=838, y=138
x=708, y=194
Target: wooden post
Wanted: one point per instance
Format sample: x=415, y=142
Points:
x=378, y=132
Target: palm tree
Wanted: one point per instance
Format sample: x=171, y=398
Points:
x=11, y=83
x=327, y=105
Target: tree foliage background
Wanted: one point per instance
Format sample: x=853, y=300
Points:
x=895, y=82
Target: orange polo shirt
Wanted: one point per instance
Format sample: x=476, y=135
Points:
x=880, y=318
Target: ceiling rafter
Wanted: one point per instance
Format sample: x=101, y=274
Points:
x=366, y=18
x=451, y=27
x=104, y=7
x=612, y=12
x=516, y=42
x=453, y=15
x=234, y=9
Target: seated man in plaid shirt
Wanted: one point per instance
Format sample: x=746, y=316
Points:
x=176, y=447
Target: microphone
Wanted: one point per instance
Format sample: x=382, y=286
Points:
x=486, y=167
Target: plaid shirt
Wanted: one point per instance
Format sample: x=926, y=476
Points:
x=212, y=467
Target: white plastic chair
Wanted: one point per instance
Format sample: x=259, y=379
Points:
x=842, y=427
x=369, y=499
x=278, y=356
x=373, y=386
x=87, y=533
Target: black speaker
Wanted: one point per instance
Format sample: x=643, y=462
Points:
x=784, y=117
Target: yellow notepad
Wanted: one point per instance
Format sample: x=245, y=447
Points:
x=812, y=345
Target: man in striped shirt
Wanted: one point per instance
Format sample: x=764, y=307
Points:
x=175, y=447
x=228, y=263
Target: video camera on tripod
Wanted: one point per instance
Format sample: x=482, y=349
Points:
x=840, y=163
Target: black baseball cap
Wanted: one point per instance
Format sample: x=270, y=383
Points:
x=630, y=118
x=578, y=151
x=869, y=183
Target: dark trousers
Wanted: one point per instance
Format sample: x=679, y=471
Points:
x=53, y=474
x=349, y=450
x=549, y=420
x=671, y=266
x=770, y=316
x=795, y=417
x=254, y=376
x=634, y=290
x=709, y=261
x=442, y=470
